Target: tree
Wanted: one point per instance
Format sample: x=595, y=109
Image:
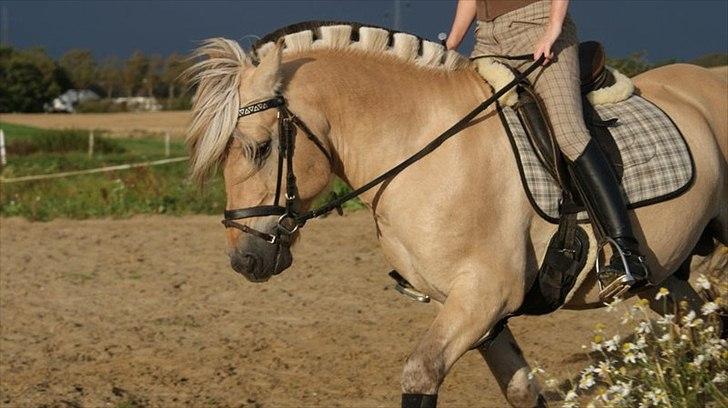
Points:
x=173, y=68
x=632, y=65
x=108, y=76
x=134, y=71
x=80, y=67
x=28, y=79
x=153, y=74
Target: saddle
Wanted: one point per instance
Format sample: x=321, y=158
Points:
x=637, y=138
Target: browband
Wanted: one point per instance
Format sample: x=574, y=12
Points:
x=261, y=106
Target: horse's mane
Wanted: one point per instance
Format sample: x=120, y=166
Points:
x=217, y=74
x=334, y=35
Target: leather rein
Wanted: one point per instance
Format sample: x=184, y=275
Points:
x=289, y=219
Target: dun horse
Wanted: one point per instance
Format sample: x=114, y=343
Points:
x=456, y=224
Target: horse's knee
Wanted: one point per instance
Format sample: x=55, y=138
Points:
x=422, y=374
x=521, y=390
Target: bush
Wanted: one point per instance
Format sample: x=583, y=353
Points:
x=670, y=362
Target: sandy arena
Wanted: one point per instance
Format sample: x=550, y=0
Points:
x=147, y=312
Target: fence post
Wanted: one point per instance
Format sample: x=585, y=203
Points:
x=166, y=144
x=3, y=154
x=91, y=144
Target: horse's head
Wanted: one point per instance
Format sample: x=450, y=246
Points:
x=247, y=148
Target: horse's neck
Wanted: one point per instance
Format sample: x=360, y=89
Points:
x=378, y=111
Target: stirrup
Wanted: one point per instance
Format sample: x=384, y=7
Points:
x=618, y=287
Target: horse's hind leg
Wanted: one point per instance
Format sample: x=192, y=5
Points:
x=511, y=370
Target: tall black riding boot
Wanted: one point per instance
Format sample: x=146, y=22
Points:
x=605, y=202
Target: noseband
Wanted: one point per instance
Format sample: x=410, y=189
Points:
x=289, y=219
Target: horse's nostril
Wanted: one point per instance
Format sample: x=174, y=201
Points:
x=252, y=263
x=246, y=263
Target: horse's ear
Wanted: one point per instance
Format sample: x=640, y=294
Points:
x=267, y=74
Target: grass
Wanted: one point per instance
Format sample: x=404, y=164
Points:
x=145, y=190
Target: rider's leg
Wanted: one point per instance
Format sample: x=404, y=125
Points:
x=558, y=85
x=605, y=202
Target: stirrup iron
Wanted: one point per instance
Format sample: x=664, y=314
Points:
x=618, y=287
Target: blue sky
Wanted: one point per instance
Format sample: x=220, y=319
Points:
x=661, y=28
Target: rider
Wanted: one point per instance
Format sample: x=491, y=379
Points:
x=544, y=28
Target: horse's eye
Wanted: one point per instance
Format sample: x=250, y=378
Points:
x=262, y=150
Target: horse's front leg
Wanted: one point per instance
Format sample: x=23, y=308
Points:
x=471, y=309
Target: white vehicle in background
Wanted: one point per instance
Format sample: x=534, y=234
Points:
x=67, y=102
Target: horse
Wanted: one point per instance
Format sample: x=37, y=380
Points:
x=456, y=224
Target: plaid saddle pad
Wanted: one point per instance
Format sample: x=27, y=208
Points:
x=657, y=161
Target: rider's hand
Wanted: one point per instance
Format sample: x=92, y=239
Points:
x=545, y=43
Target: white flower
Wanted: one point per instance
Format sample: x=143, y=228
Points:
x=629, y=358
x=688, y=318
x=604, y=368
x=702, y=282
x=644, y=328
x=613, y=305
x=570, y=396
x=666, y=319
x=586, y=381
x=708, y=308
x=620, y=389
x=663, y=292
x=641, y=356
x=552, y=383
x=655, y=397
x=698, y=361
x=665, y=338
x=596, y=346
x=720, y=378
x=611, y=344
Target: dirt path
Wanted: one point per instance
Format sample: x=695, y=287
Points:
x=123, y=123
x=147, y=312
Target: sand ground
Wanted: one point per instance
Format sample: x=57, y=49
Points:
x=146, y=311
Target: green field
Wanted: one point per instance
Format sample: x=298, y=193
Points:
x=161, y=189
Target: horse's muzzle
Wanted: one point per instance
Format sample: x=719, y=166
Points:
x=258, y=260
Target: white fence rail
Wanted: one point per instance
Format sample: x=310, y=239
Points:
x=92, y=171
x=3, y=162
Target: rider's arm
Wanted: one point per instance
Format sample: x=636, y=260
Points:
x=553, y=30
x=464, y=16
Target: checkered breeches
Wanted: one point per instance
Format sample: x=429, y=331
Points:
x=558, y=84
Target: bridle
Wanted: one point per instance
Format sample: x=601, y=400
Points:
x=289, y=219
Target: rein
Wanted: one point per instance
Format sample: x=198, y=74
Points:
x=290, y=220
